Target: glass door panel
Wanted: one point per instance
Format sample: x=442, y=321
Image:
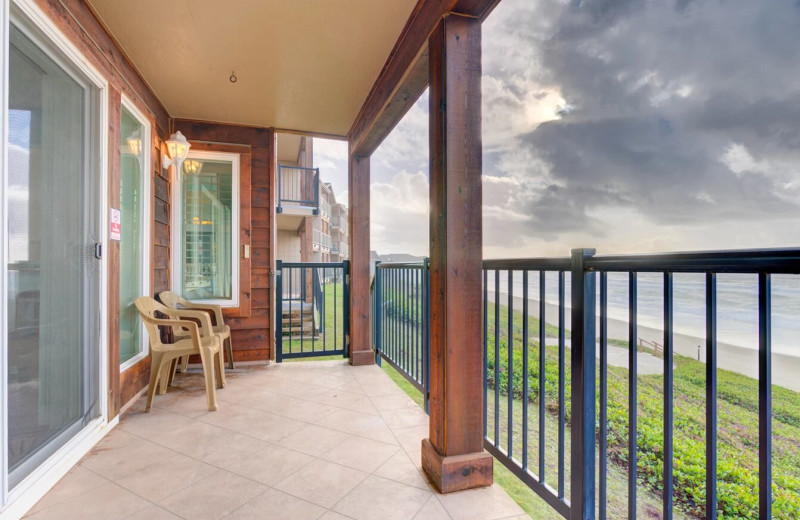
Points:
x=52, y=274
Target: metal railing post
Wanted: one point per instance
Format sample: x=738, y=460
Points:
x=376, y=319
x=426, y=379
x=583, y=388
x=279, y=209
x=316, y=191
x=346, y=306
x=279, y=311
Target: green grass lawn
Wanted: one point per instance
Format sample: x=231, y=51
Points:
x=332, y=336
x=737, y=449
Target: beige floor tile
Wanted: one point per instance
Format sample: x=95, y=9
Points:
x=255, y=423
x=314, y=440
x=362, y=454
x=270, y=465
x=321, y=482
x=213, y=497
x=224, y=448
x=153, y=424
x=489, y=503
x=109, y=502
x=405, y=417
x=164, y=478
x=275, y=505
x=333, y=515
x=122, y=453
x=402, y=469
x=385, y=403
x=356, y=423
x=432, y=510
x=307, y=411
x=78, y=481
x=410, y=440
x=153, y=512
x=379, y=498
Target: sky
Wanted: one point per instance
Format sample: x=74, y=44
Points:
x=624, y=125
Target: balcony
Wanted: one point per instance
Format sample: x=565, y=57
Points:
x=299, y=190
x=297, y=440
x=339, y=222
x=325, y=210
x=321, y=240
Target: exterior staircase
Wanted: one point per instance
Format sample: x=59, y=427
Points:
x=298, y=318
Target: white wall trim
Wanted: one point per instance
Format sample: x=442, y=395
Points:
x=146, y=187
x=177, y=208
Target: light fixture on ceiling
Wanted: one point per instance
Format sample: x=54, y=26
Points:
x=177, y=149
x=192, y=167
x=134, y=143
x=233, y=78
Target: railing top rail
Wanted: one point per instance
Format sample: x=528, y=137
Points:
x=780, y=261
x=529, y=264
x=777, y=261
x=401, y=265
x=327, y=265
x=291, y=167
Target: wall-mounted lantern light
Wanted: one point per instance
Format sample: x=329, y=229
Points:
x=177, y=149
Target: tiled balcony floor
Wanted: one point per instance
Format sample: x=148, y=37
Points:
x=297, y=441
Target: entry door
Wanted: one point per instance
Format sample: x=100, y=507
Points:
x=53, y=273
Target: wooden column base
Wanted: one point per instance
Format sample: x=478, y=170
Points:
x=457, y=472
x=360, y=358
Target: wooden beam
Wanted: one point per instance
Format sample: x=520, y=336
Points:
x=453, y=456
x=404, y=75
x=358, y=220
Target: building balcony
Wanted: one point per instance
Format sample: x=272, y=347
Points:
x=299, y=190
x=308, y=440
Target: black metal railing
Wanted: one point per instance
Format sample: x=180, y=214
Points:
x=550, y=394
x=311, y=317
x=401, y=335
x=298, y=187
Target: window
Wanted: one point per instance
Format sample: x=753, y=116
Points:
x=208, y=228
x=134, y=244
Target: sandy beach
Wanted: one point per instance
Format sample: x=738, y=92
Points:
x=785, y=369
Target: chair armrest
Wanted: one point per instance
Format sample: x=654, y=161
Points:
x=206, y=329
x=217, y=309
x=190, y=326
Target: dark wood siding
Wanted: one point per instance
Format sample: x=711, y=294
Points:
x=251, y=332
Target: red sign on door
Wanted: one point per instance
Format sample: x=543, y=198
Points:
x=116, y=224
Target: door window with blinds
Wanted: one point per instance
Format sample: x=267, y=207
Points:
x=208, y=209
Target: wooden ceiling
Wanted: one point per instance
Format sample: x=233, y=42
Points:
x=304, y=65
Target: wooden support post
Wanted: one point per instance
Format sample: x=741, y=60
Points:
x=272, y=150
x=358, y=219
x=453, y=456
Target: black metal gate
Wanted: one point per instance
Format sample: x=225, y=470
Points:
x=312, y=310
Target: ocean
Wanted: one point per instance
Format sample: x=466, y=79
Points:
x=737, y=304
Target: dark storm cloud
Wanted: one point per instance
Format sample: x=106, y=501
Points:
x=685, y=111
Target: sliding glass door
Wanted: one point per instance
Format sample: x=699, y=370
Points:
x=53, y=272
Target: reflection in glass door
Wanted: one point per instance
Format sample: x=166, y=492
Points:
x=132, y=243
x=53, y=275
